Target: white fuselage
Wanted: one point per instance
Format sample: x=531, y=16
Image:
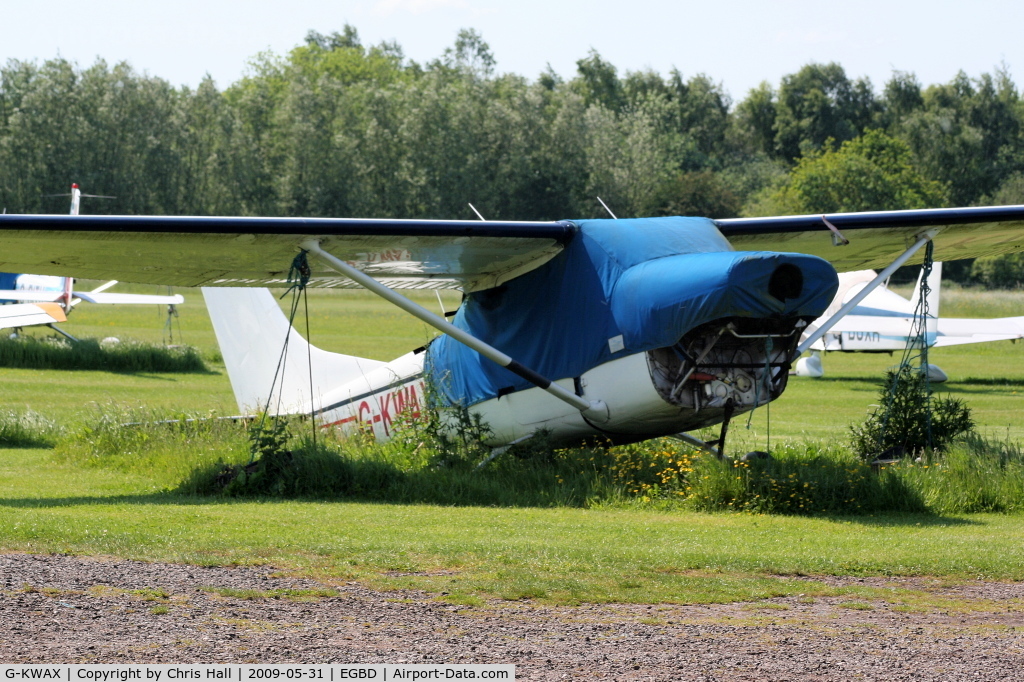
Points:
x=376, y=401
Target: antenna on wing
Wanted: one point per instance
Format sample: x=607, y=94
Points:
x=607, y=209
x=477, y=212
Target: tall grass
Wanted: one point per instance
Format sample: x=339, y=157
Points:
x=215, y=457
x=27, y=430
x=168, y=449
x=807, y=478
x=977, y=474
x=976, y=301
x=90, y=354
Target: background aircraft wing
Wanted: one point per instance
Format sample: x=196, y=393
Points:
x=877, y=238
x=954, y=332
x=194, y=251
x=28, y=314
x=129, y=299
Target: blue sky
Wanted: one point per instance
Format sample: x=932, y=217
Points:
x=737, y=43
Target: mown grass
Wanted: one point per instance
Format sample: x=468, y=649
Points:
x=289, y=594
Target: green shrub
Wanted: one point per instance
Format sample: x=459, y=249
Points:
x=909, y=419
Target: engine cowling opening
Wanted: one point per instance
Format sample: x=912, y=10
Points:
x=739, y=359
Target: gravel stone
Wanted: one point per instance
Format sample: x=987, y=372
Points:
x=65, y=609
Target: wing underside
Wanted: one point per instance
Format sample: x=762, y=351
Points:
x=877, y=238
x=259, y=251
x=467, y=255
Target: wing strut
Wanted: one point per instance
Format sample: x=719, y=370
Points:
x=596, y=409
x=922, y=239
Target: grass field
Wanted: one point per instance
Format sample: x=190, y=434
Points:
x=469, y=552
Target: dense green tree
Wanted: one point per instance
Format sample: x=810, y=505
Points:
x=901, y=97
x=999, y=272
x=820, y=103
x=966, y=133
x=597, y=81
x=701, y=193
x=870, y=173
x=754, y=120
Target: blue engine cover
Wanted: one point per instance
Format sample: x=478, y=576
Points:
x=648, y=280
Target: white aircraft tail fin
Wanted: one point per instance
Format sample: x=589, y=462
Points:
x=934, y=283
x=251, y=331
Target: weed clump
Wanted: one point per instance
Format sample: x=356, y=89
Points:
x=280, y=465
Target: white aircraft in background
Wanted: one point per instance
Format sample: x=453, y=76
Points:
x=48, y=299
x=884, y=322
x=618, y=329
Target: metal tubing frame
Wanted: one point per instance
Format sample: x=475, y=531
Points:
x=696, y=442
x=922, y=239
x=595, y=409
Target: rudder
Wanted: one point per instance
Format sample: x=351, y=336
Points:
x=251, y=331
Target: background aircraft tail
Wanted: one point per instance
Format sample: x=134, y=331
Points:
x=251, y=330
x=934, y=282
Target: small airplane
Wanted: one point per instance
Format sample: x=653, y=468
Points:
x=620, y=329
x=884, y=322
x=48, y=299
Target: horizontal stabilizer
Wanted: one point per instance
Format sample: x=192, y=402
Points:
x=251, y=331
x=129, y=299
x=29, y=314
x=954, y=332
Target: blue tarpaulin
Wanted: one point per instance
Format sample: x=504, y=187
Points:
x=648, y=280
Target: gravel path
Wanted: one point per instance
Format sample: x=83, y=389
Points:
x=61, y=609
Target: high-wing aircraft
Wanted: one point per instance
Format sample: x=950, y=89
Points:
x=48, y=299
x=884, y=322
x=627, y=329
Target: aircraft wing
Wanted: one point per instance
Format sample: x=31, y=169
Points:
x=877, y=238
x=203, y=251
x=469, y=255
x=954, y=332
x=129, y=299
x=29, y=314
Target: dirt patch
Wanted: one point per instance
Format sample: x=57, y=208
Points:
x=61, y=609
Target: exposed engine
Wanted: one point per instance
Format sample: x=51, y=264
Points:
x=733, y=364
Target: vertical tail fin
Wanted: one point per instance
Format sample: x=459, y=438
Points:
x=934, y=284
x=251, y=331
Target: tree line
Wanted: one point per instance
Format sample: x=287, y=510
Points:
x=337, y=128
